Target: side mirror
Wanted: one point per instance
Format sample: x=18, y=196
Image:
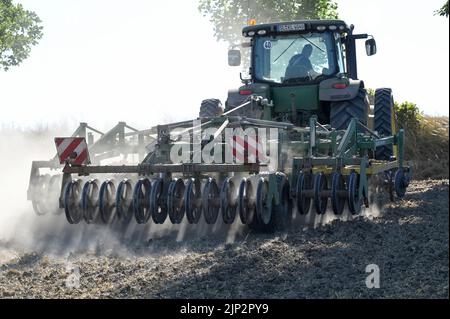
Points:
x=371, y=47
x=234, y=57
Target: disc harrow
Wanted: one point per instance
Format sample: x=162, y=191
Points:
x=328, y=169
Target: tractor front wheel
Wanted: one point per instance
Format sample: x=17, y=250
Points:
x=210, y=108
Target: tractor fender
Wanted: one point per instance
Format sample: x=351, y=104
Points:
x=235, y=98
x=349, y=90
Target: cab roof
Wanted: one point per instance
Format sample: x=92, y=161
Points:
x=299, y=26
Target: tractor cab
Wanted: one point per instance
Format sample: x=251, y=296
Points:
x=301, y=67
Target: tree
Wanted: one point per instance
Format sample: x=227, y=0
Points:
x=20, y=29
x=443, y=11
x=229, y=16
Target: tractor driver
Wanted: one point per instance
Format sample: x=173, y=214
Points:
x=300, y=66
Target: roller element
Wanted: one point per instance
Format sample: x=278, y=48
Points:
x=175, y=201
x=354, y=200
x=246, y=203
x=210, y=201
x=282, y=213
x=72, y=202
x=228, y=200
x=45, y=199
x=263, y=206
x=106, y=197
x=124, y=200
x=389, y=184
x=303, y=193
x=193, y=201
x=89, y=201
x=338, y=193
x=376, y=186
x=401, y=183
x=54, y=189
x=320, y=197
x=158, y=205
x=40, y=191
x=141, y=197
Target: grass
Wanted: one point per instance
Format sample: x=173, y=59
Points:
x=428, y=147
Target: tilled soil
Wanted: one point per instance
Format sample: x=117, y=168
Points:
x=408, y=242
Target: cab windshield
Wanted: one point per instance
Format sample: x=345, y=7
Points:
x=294, y=58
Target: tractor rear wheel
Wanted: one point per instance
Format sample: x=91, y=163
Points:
x=343, y=111
x=384, y=122
x=210, y=108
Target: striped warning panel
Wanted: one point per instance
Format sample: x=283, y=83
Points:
x=72, y=149
x=248, y=150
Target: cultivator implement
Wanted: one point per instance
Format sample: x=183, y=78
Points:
x=296, y=136
x=308, y=168
x=120, y=143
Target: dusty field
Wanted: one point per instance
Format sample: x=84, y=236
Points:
x=409, y=243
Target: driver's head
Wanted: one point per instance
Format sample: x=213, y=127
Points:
x=307, y=50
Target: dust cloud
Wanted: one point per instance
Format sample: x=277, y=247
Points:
x=22, y=230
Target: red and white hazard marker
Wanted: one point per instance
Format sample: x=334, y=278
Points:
x=73, y=150
x=248, y=150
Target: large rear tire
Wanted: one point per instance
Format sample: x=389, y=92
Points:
x=342, y=112
x=384, y=122
x=210, y=108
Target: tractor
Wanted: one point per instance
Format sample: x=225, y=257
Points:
x=295, y=137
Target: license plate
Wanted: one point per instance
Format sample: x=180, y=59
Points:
x=291, y=27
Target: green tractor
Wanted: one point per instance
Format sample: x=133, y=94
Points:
x=307, y=68
x=295, y=137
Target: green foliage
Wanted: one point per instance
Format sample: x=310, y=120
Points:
x=230, y=16
x=371, y=95
x=443, y=11
x=426, y=139
x=408, y=116
x=19, y=30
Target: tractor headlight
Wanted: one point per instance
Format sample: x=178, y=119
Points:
x=262, y=32
x=321, y=28
x=251, y=33
x=332, y=27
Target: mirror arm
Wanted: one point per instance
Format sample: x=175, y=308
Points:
x=245, y=81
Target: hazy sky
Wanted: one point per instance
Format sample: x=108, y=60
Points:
x=104, y=61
